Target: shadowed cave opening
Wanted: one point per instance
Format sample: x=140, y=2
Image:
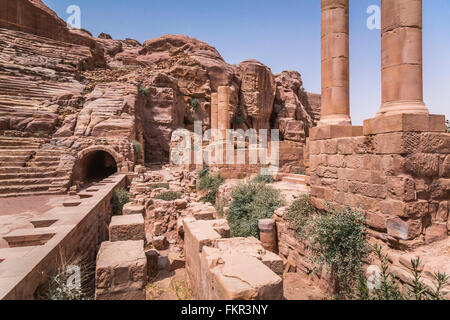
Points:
x=95, y=166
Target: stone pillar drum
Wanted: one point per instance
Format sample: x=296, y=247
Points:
x=335, y=63
x=401, y=57
x=224, y=93
x=268, y=234
x=214, y=110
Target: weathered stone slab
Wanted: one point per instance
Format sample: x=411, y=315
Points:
x=121, y=271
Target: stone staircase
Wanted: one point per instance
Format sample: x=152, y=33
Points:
x=28, y=168
x=294, y=178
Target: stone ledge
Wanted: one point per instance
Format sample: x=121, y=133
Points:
x=404, y=123
x=334, y=131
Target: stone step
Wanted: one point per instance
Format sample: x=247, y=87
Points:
x=29, y=194
x=43, y=164
x=40, y=158
x=17, y=152
x=35, y=181
x=10, y=169
x=27, y=175
x=13, y=164
x=19, y=147
x=26, y=188
x=12, y=157
x=298, y=179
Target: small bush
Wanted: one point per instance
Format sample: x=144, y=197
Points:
x=169, y=196
x=299, y=171
x=137, y=148
x=338, y=241
x=262, y=178
x=119, y=199
x=447, y=123
x=203, y=172
x=195, y=104
x=250, y=203
x=60, y=285
x=143, y=91
x=299, y=213
x=211, y=183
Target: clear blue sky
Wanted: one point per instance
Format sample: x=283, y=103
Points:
x=284, y=35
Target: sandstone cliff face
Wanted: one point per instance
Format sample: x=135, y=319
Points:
x=294, y=111
x=257, y=93
x=81, y=91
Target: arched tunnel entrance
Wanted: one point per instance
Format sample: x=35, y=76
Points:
x=94, y=166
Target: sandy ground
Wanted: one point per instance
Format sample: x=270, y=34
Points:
x=16, y=213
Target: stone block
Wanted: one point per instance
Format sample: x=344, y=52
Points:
x=376, y=221
x=333, y=131
x=404, y=123
x=238, y=276
x=121, y=271
x=159, y=228
x=176, y=260
x=129, y=227
x=131, y=208
x=422, y=164
x=160, y=243
x=404, y=229
x=436, y=232
x=345, y=146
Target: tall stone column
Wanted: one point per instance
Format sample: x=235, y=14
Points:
x=335, y=63
x=401, y=57
x=214, y=110
x=224, y=93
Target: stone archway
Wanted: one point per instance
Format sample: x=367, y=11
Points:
x=96, y=163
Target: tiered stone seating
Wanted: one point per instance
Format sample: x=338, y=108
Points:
x=28, y=169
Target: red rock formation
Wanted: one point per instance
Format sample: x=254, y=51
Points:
x=257, y=93
x=53, y=83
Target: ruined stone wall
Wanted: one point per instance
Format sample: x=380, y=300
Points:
x=401, y=181
x=79, y=228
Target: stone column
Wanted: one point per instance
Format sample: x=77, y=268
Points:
x=335, y=63
x=268, y=234
x=401, y=57
x=214, y=110
x=224, y=93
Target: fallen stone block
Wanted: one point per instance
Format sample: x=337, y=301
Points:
x=160, y=243
x=130, y=227
x=121, y=271
x=176, y=260
x=238, y=276
x=131, y=208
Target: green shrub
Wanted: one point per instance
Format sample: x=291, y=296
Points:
x=447, y=123
x=299, y=213
x=169, y=196
x=143, y=91
x=250, y=203
x=210, y=183
x=137, y=148
x=338, y=241
x=203, y=172
x=300, y=171
x=119, y=199
x=263, y=178
x=195, y=104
